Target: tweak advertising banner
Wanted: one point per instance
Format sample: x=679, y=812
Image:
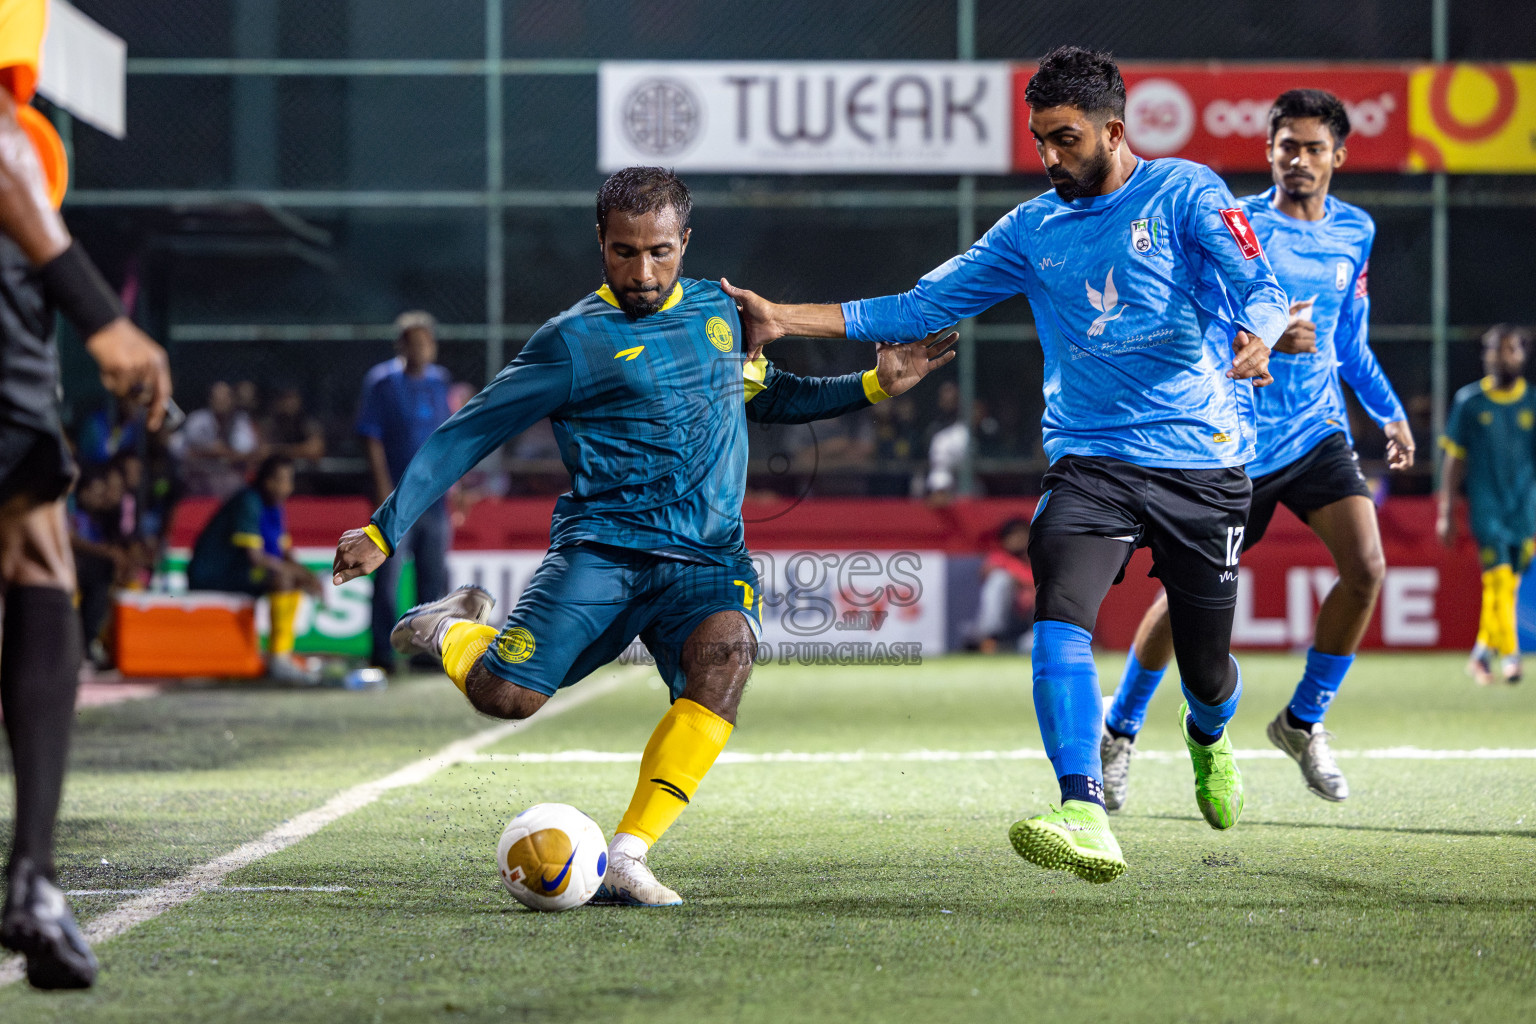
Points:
x=815, y=117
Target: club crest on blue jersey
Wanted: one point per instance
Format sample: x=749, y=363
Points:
x=1341, y=275
x=1147, y=235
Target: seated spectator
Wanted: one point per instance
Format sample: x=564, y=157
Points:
x=245, y=548
x=248, y=398
x=114, y=427
x=1007, y=612
x=289, y=431
x=219, y=444
x=98, y=560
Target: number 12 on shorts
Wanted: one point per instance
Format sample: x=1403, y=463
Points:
x=1234, y=543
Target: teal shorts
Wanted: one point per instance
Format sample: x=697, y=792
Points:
x=1515, y=554
x=587, y=603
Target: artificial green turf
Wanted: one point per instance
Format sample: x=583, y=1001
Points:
x=873, y=890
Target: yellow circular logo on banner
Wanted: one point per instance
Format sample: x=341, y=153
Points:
x=719, y=333
x=515, y=645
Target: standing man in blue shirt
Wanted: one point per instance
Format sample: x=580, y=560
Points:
x=1155, y=308
x=1306, y=461
x=404, y=400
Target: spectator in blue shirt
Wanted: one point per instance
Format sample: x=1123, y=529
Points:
x=405, y=399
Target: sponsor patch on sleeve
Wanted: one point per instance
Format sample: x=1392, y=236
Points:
x=1242, y=233
x=1360, y=287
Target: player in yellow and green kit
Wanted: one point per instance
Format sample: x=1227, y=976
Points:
x=1490, y=446
x=649, y=392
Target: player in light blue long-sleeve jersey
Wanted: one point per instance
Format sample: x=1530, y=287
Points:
x=1155, y=307
x=1320, y=247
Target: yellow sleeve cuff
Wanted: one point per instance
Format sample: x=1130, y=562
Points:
x=377, y=536
x=1452, y=447
x=872, y=389
x=754, y=377
x=247, y=540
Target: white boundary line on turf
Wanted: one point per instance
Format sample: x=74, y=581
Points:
x=1023, y=754
x=207, y=877
x=219, y=888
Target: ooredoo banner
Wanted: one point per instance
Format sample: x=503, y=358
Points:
x=815, y=117
x=1217, y=114
x=1473, y=118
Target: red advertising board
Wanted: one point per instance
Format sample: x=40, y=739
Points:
x=1217, y=113
x=1430, y=598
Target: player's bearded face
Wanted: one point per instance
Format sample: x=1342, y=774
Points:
x=1074, y=149
x=642, y=258
x=1086, y=178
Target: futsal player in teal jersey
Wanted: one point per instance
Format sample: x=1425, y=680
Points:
x=1490, y=446
x=1319, y=246
x=649, y=393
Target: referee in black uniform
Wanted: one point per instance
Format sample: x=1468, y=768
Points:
x=42, y=272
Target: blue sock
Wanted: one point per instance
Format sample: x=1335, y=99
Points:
x=1128, y=711
x=1319, y=683
x=1069, y=707
x=1211, y=719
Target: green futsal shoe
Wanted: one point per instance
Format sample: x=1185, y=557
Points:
x=1218, y=783
x=1076, y=839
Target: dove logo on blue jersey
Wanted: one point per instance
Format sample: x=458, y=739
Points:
x=1106, y=302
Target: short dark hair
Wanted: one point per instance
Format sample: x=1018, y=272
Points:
x=269, y=467
x=1070, y=76
x=636, y=190
x=1295, y=104
x=1498, y=332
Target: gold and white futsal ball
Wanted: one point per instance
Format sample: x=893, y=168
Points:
x=552, y=857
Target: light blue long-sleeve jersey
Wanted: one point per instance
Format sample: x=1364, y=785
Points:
x=1322, y=262
x=1137, y=296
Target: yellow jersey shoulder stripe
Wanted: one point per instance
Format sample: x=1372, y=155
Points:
x=247, y=540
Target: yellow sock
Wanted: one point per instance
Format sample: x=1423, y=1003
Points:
x=1509, y=586
x=284, y=606
x=462, y=647
x=1488, y=620
x=685, y=744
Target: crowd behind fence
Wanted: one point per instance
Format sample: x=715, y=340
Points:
x=295, y=174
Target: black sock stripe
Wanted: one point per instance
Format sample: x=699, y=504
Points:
x=670, y=788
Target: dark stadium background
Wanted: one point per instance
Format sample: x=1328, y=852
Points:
x=276, y=209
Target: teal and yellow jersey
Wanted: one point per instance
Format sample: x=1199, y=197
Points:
x=651, y=417
x=1493, y=431
x=244, y=523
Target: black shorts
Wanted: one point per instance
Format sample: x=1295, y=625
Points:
x=34, y=464
x=1192, y=519
x=1328, y=473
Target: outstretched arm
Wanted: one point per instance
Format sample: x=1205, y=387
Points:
x=536, y=384
x=994, y=269
x=787, y=398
